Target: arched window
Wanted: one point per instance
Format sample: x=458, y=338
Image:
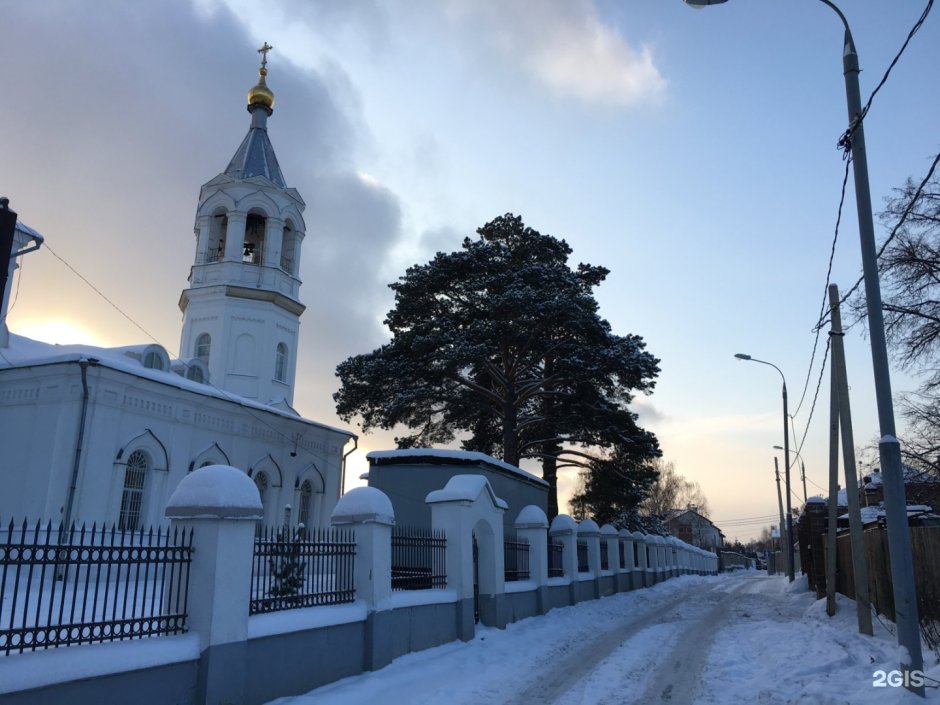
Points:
x=306, y=494
x=203, y=345
x=280, y=363
x=254, y=238
x=194, y=373
x=288, y=247
x=135, y=478
x=215, y=248
x=261, y=482
x=152, y=360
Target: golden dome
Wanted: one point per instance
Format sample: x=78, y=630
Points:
x=260, y=94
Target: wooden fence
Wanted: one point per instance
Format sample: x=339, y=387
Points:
x=925, y=547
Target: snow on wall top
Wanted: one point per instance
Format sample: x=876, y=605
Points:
x=447, y=456
x=816, y=499
x=532, y=515
x=563, y=523
x=26, y=352
x=363, y=504
x=465, y=488
x=215, y=491
x=588, y=526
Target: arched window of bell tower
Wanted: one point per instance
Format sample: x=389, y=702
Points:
x=288, y=248
x=218, y=226
x=254, y=238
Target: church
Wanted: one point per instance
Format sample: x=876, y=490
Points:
x=91, y=434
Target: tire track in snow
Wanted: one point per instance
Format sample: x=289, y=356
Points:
x=561, y=676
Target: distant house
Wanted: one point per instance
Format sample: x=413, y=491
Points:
x=693, y=528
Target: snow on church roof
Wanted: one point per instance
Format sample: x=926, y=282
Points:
x=25, y=352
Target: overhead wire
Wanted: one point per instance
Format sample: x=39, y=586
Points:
x=845, y=144
x=225, y=394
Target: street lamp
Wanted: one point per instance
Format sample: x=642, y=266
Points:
x=899, y=540
x=786, y=458
x=802, y=470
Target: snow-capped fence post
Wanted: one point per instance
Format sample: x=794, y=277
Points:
x=368, y=512
x=531, y=525
x=221, y=506
x=589, y=531
x=627, y=567
x=471, y=516
x=564, y=530
x=648, y=549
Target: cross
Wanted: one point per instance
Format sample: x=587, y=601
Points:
x=264, y=54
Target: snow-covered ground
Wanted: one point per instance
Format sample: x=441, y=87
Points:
x=737, y=638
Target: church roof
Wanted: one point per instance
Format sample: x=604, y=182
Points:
x=255, y=155
x=25, y=352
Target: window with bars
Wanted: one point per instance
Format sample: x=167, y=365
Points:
x=132, y=498
x=306, y=494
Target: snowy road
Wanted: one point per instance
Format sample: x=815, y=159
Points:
x=738, y=638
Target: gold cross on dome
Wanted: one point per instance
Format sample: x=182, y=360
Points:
x=264, y=54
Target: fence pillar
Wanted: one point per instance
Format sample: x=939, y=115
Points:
x=627, y=568
x=368, y=512
x=531, y=526
x=564, y=530
x=589, y=531
x=221, y=505
x=468, y=510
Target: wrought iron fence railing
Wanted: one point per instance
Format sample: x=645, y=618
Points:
x=605, y=557
x=419, y=558
x=82, y=585
x=556, y=567
x=583, y=556
x=308, y=568
x=516, y=558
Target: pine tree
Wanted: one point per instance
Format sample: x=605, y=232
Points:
x=502, y=344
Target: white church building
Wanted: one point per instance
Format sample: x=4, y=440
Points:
x=93, y=434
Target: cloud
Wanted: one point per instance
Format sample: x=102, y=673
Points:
x=565, y=46
x=121, y=111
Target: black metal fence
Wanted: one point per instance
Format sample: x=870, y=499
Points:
x=516, y=558
x=419, y=558
x=583, y=556
x=622, y=554
x=83, y=585
x=556, y=566
x=309, y=568
x=605, y=557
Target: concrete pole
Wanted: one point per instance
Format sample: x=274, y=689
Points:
x=831, y=545
x=899, y=538
x=781, y=529
x=856, y=529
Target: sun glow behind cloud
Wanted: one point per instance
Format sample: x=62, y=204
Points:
x=60, y=331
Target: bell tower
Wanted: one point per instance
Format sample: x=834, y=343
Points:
x=241, y=312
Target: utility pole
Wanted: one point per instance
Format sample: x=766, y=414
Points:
x=782, y=531
x=832, y=529
x=859, y=566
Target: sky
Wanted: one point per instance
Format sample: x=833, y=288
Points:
x=693, y=153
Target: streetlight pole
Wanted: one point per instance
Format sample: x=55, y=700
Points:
x=786, y=461
x=802, y=469
x=899, y=539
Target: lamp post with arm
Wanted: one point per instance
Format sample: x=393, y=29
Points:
x=786, y=461
x=899, y=540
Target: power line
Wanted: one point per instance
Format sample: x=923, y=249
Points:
x=226, y=395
